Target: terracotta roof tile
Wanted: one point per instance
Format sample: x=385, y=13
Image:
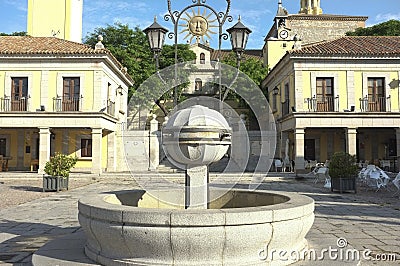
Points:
x=27, y=45
x=354, y=46
x=43, y=45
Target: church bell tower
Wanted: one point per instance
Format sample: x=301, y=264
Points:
x=55, y=18
x=310, y=7
x=280, y=39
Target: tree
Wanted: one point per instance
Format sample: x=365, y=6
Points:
x=389, y=28
x=250, y=66
x=131, y=48
x=16, y=33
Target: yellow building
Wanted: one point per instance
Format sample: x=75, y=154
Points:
x=60, y=96
x=55, y=18
x=339, y=95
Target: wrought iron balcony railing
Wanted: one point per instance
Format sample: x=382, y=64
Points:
x=111, y=108
x=15, y=104
x=323, y=103
x=375, y=104
x=67, y=104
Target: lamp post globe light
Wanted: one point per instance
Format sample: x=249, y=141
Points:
x=197, y=27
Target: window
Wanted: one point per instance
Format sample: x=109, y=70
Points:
x=376, y=94
x=19, y=93
x=325, y=99
x=202, y=58
x=86, y=147
x=274, y=102
x=198, y=84
x=71, y=94
x=3, y=146
x=285, y=105
x=392, y=148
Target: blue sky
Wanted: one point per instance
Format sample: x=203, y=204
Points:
x=256, y=14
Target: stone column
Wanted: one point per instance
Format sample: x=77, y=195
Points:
x=299, y=134
x=154, y=149
x=21, y=148
x=351, y=141
x=97, y=135
x=398, y=147
x=196, y=190
x=44, y=148
x=240, y=148
x=111, y=152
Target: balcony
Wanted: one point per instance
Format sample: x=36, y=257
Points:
x=375, y=104
x=323, y=103
x=111, y=108
x=67, y=104
x=7, y=104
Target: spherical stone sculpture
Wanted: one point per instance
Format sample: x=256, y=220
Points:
x=196, y=136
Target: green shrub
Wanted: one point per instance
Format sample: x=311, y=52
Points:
x=343, y=165
x=60, y=165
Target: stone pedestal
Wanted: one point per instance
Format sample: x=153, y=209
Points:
x=196, y=191
x=154, y=149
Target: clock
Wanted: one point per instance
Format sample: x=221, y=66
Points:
x=283, y=34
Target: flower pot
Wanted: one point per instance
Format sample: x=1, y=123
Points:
x=55, y=183
x=344, y=184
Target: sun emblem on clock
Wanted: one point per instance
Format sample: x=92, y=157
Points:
x=198, y=25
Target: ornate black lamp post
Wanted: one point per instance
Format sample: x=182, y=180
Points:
x=239, y=36
x=156, y=36
x=197, y=22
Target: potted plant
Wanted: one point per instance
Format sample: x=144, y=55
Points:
x=343, y=172
x=57, y=172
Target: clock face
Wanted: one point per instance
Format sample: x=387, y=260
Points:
x=283, y=34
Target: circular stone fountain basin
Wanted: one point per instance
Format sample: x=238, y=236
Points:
x=240, y=228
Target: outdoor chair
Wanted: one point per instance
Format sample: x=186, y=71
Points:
x=396, y=182
x=278, y=165
x=361, y=174
x=313, y=164
x=364, y=172
x=385, y=164
x=321, y=173
x=287, y=165
x=376, y=179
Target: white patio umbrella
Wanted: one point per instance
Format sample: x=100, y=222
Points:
x=286, y=160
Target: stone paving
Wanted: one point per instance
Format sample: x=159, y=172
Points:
x=349, y=217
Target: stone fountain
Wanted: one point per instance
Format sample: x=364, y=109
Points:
x=236, y=227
